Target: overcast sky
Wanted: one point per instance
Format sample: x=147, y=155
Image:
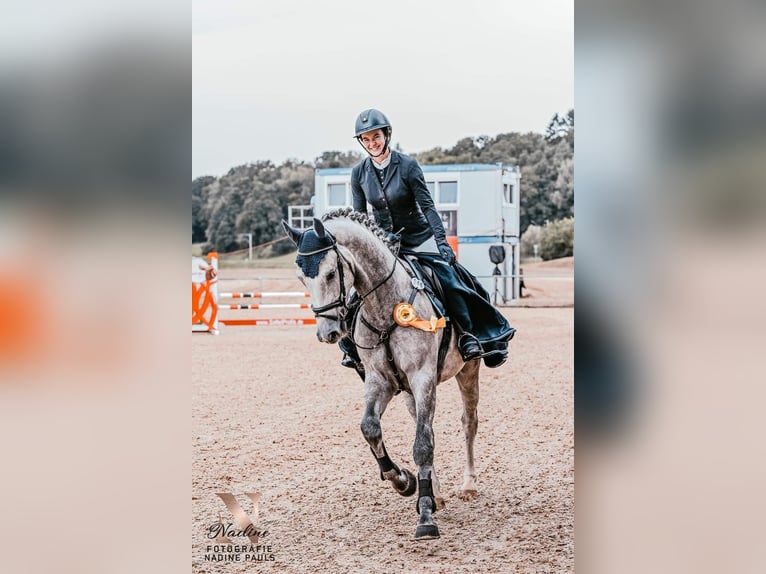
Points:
x=278, y=79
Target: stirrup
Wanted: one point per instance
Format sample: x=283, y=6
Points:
x=347, y=361
x=469, y=346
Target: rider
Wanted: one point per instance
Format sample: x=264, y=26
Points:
x=394, y=185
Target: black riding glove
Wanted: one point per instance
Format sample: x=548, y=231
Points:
x=447, y=253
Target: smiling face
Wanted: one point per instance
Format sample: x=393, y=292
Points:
x=374, y=141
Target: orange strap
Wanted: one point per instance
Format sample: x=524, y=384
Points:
x=430, y=326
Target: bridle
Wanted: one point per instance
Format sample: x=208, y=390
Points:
x=341, y=301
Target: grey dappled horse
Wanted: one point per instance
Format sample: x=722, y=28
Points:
x=349, y=250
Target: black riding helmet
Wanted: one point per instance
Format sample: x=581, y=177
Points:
x=370, y=120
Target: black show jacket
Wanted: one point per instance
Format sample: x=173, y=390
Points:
x=402, y=202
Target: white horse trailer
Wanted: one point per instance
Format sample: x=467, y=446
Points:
x=479, y=205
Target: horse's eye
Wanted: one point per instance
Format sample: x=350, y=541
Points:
x=331, y=275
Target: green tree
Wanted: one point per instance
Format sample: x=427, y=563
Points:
x=570, y=119
x=330, y=159
x=199, y=202
x=559, y=127
x=531, y=237
x=562, y=197
x=557, y=239
x=253, y=198
x=222, y=229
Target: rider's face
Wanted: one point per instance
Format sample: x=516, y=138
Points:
x=373, y=141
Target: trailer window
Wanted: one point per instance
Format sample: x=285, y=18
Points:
x=447, y=192
x=508, y=193
x=336, y=194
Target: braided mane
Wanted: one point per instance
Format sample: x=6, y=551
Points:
x=364, y=220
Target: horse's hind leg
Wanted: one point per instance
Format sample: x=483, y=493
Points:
x=378, y=394
x=468, y=383
x=409, y=400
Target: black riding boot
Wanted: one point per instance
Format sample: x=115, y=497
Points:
x=351, y=356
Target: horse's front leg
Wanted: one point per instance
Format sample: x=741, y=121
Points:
x=409, y=400
x=424, y=393
x=378, y=393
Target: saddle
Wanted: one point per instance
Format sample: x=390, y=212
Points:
x=432, y=285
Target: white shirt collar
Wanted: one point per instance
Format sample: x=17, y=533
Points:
x=383, y=164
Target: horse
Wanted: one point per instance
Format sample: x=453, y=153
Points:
x=347, y=249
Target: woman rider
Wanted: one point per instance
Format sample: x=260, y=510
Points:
x=394, y=185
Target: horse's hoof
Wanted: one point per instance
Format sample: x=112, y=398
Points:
x=412, y=484
x=467, y=494
x=426, y=532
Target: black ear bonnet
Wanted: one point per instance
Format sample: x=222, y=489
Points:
x=311, y=251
